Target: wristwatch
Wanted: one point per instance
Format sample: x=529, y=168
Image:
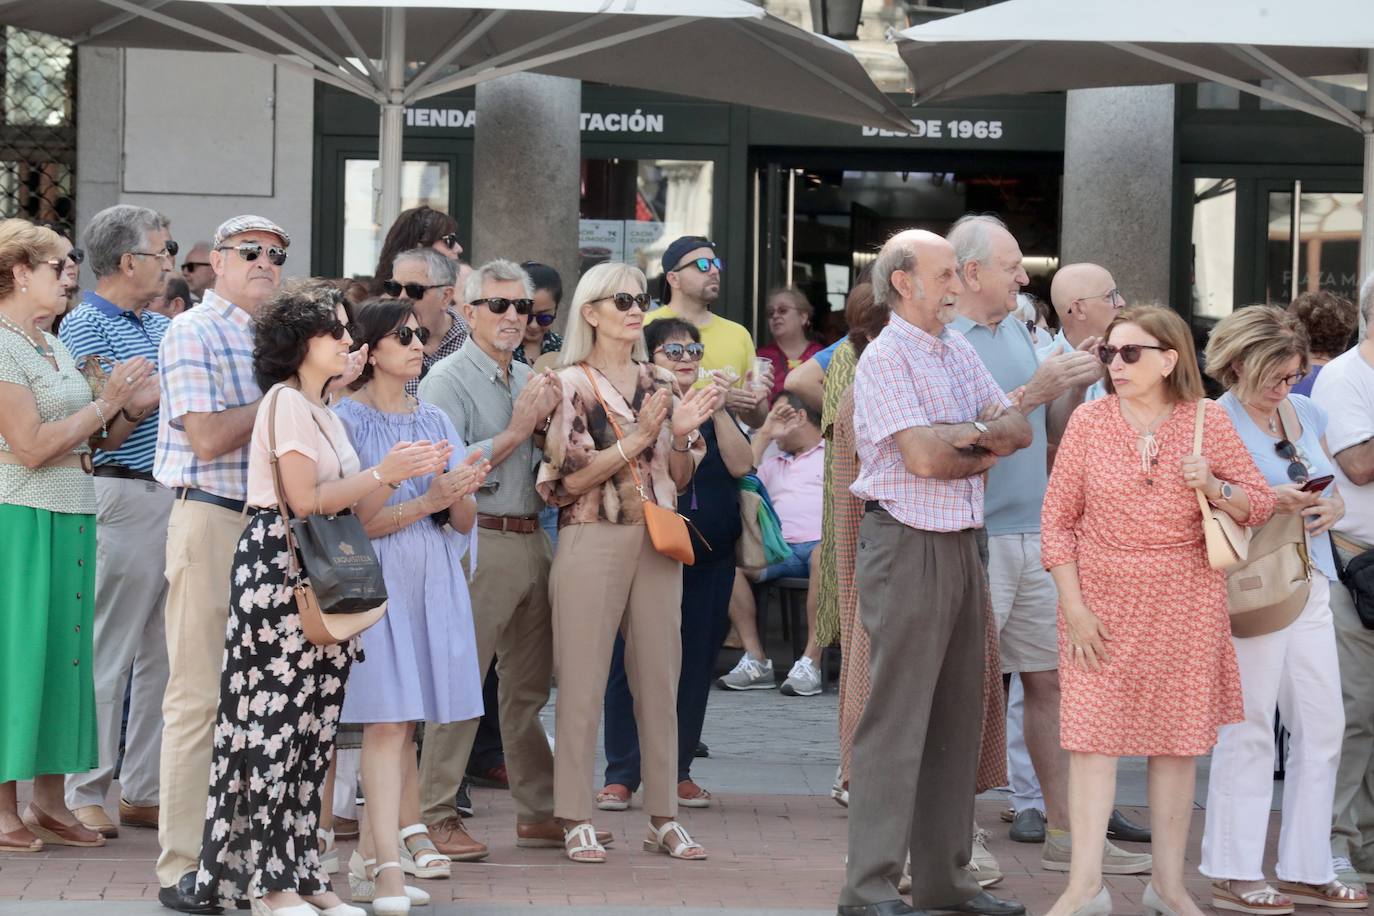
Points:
x=1226, y=492
x=981, y=427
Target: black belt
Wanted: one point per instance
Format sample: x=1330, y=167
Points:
x=123, y=473
x=200, y=496
x=872, y=505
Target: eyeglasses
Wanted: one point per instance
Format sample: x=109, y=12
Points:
x=1297, y=467
x=624, y=301
x=702, y=264
x=451, y=240
x=780, y=310
x=76, y=256
x=169, y=250
x=1112, y=295
x=499, y=304
x=405, y=334
x=543, y=319
x=412, y=290
x=1288, y=380
x=59, y=266
x=250, y=251
x=337, y=330
x=1130, y=353
x=681, y=353
x=192, y=266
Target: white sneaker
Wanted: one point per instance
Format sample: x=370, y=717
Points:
x=982, y=864
x=749, y=674
x=804, y=680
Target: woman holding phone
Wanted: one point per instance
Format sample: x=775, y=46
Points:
x=1259, y=354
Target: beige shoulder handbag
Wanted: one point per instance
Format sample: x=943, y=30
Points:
x=1228, y=541
x=1270, y=590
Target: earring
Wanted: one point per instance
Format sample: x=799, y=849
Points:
x=23, y=289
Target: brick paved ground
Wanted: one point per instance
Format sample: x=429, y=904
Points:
x=776, y=841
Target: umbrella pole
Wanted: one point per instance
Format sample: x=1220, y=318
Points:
x=393, y=114
x=1367, y=128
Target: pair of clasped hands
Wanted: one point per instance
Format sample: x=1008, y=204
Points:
x=423, y=458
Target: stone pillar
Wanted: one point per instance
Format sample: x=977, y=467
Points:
x=1118, y=186
x=526, y=174
x=99, y=127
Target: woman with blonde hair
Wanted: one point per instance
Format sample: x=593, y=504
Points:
x=1259, y=354
x=1146, y=664
x=51, y=416
x=619, y=438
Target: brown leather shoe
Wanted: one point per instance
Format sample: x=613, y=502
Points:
x=55, y=833
x=95, y=818
x=549, y=835
x=453, y=841
x=137, y=816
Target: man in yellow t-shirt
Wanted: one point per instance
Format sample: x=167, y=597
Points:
x=691, y=282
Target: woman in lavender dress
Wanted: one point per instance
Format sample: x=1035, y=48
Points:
x=421, y=660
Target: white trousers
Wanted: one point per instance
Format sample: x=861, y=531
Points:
x=1296, y=671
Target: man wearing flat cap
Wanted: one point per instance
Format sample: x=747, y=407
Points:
x=209, y=402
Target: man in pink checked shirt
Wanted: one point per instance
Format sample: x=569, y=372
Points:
x=929, y=419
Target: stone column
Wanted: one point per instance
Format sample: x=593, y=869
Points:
x=526, y=174
x=1118, y=186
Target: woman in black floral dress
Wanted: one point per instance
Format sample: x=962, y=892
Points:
x=280, y=695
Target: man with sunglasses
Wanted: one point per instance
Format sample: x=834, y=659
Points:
x=197, y=271
x=691, y=283
x=131, y=257
x=426, y=278
x=1024, y=599
x=500, y=407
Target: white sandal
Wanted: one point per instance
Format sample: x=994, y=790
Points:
x=362, y=888
x=389, y=906
x=329, y=853
x=582, y=839
x=425, y=862
x=656, y=842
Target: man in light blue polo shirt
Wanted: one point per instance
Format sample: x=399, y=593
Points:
x=1024, y=598
x=131, y=254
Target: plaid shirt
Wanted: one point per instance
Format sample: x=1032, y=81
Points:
x=206, y=362
x=553, y=343
x=452, y=342
x=907, y=378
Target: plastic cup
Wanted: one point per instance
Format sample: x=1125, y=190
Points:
x=761, y=367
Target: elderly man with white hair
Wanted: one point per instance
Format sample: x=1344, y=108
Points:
x=1345, y=390
x=428, y=279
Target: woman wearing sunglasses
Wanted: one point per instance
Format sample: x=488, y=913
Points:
x=711, y=503
x=1146, y=663
x=1259, y=353
x=620, y=437
x=418, y=227
x=540, y=338
x=420, y=662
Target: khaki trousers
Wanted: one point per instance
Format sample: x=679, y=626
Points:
x=915, y=757
x=130, y=637
x=609, y=578
x=1352, y=828
x=510, y=612
x=201, y=542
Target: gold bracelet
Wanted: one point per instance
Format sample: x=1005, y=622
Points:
x=396, y=515
x=104, y=427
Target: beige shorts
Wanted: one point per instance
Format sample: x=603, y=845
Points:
x=1024, y=603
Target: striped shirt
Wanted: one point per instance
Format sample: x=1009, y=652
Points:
x=206, y=363
x=99, y=327
x=907, y=378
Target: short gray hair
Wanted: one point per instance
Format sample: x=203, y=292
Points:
x=441, y=271
x=1367, y=299
x=894, y=256
x=970, y=237
x=500, y=270
x=115, y=231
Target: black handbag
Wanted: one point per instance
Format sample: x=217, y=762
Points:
x=335, y=557
x=1358, y=576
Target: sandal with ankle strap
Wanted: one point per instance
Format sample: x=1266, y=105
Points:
x=580, y=840
x=1335, y=893
x=1262, y=902
x=390, y=906
x=362, y=887
x=423, y=860
x=657, y=842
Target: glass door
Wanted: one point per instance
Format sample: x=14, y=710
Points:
x=1312, y=242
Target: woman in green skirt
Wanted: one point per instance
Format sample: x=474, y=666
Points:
x=49, y=419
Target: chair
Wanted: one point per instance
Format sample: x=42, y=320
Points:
x=791, y=595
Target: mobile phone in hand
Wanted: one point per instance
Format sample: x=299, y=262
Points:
x=1317, y=484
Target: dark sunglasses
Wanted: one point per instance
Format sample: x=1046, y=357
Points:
x=1297, y=468
x=543, y=319
x=405, y=334
x=701, y=264
x=168, y=251
x=624, y=301
x=189, y=266
x=76, y=256
x=249, y=251
x=412, y=290
x=451, y=240
x=337, y=330
x=500, y=304
x=681, y=353
x=1130, y=353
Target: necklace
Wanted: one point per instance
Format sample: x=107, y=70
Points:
x=1149, y=448
x=1271, y=421
x=43, y=349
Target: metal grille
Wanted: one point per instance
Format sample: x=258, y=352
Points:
x=38, y=133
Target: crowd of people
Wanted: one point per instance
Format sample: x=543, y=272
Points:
x=1012, y=520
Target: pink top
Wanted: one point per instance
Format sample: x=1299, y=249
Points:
x=313, y=431
x=795, y=485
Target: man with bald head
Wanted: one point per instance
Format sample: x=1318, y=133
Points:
x=929, y=420
x=1086, y=300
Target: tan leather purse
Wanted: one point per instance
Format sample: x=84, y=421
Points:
x=1270, y=590
x=1228, y=541
x=667, y=529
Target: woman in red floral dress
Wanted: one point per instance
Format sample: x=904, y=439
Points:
x=1146, y=662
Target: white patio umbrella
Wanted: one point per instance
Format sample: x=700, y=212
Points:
x=729, y=50
x=1043, y=45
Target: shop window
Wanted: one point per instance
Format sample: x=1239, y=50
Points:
x=1214, y=249
x=632, y=209
x=422, y=184
x=38, y=135
x=1328, y=244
